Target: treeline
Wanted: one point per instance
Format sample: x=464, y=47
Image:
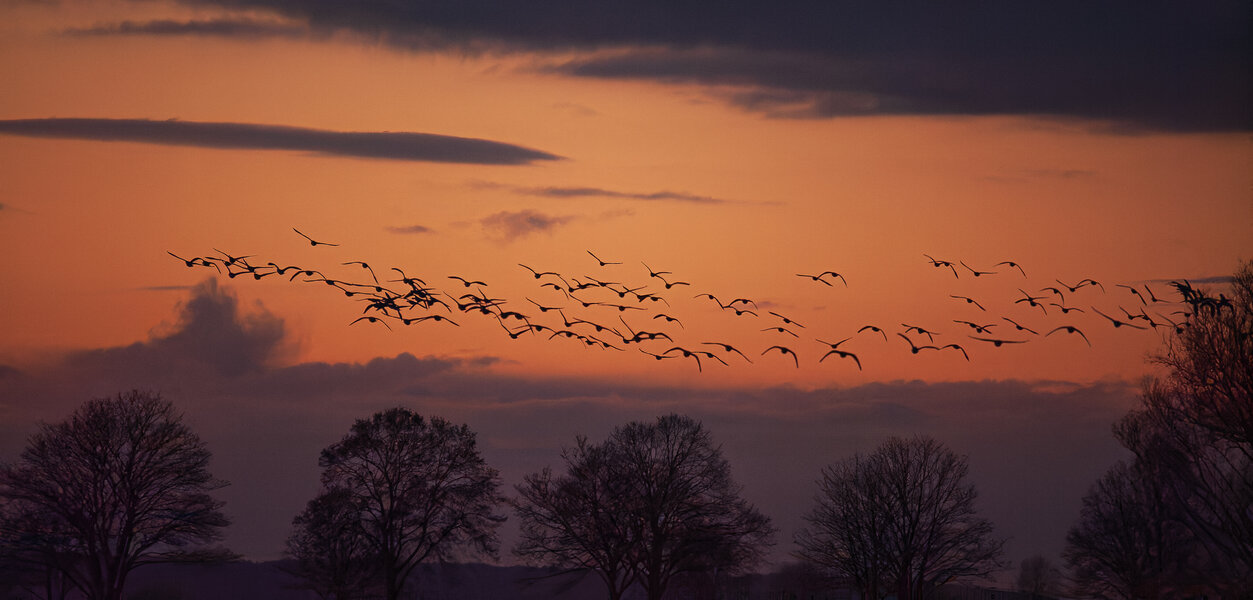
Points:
x=123, y=483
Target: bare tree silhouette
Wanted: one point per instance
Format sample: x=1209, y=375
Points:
x=1192, y=438
x=333, y=557
x=581, y=520
x=120, y=484
x=1039, y=577
x=848, y=527
x=418, y=489
x=1127, y=544
x=901, y=519
x=31, y=548
x=652, y=503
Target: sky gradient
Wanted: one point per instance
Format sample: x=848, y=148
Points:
x=734, y=144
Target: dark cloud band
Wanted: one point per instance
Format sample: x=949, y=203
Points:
x=1138, y=64
x=407, y=146
x=1128, y=93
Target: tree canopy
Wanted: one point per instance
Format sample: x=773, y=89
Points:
x=1192, y=438
x=332, y=554
x=653, y=502
x=120, y=484
x=398, y=490
x=1038, y=576
x=901, y=519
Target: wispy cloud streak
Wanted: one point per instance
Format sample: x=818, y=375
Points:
x=596, y=192
x=585, y=192
x=511, y=225
x=231, y=28
x=427, y=147
x=1212, y=279
x=410, y=229
x=9, y=208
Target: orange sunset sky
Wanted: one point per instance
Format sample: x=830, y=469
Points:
x=734, y=145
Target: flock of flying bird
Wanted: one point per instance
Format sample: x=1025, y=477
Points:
x=594, y=311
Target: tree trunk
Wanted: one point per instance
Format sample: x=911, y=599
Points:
x=393, y=587
x=655, y=587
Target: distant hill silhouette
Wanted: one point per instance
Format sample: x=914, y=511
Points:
x=267, y=581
